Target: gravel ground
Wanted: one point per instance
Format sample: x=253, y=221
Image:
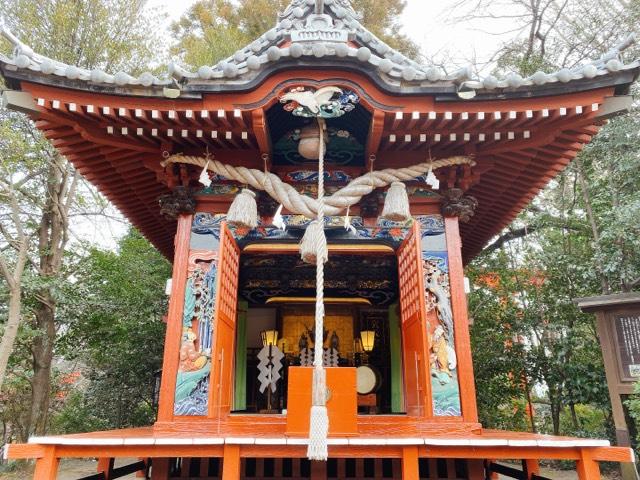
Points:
x=69, y=470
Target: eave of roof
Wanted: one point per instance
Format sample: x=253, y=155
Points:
x=117, y=143
x=441, y=92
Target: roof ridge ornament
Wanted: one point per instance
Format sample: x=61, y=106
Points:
x=319, y=27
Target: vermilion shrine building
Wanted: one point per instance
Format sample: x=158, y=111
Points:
x=402, y=398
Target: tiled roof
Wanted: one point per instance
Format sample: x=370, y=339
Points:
x=307, y=32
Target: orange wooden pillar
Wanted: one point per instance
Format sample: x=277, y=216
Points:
x=105, y=465
x=475, y=469
x=532, y=466
x=231, y=462
x=47, y=465
x=174, y=321
x=160, y=469
x=587, y=467
x=460, y=321
x=318, y=470
x=410, y=466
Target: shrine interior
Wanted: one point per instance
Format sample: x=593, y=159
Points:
x=361, y=327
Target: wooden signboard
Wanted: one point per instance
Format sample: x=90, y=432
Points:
x=618, y=322
x=627, y=338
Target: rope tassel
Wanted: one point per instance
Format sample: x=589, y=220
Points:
x=396, y=205
x=243, y=211
x=319, y=418
x=314, y=244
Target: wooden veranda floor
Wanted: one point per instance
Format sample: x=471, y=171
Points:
x=258, y=443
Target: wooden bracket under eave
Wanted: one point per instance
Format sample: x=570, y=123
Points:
x=614, y=106
x=375, y=133
x=20, y=102
x=261, y=130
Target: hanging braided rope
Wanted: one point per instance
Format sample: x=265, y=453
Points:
x=315, y=239
x=300, y=204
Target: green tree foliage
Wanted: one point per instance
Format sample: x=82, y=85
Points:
x=40, y=191
x=212, y=30
x=609, y=167
x=499, y=360
x=578, y=238
x=523, y=301
x=382, y=18
x=109, y=34
x=114, y=330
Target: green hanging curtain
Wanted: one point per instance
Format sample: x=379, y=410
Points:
x=240, y=396
x=397, y=396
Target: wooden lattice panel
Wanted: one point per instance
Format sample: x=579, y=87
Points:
x=413, y=311
x=228, y=265
x=411, y=281
x=222, y=363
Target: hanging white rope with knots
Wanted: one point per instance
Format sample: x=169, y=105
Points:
x=313, y=249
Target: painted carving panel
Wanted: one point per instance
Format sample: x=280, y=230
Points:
x=205, y=232
x=192, y=385
x=440, y=329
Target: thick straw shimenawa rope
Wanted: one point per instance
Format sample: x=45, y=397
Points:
x=334, y=204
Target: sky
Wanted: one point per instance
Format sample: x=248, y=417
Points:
x=427, y=22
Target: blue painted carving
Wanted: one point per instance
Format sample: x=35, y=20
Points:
x=192, y=393
x=384, y=223
x=419, y=191
x=219, y=189
x=390, y=233
x=207, y=224
x=189, y=304
x=430, y=225
x=444, y=369
x=385, y=230
x=206, y=305
x=192, y=381
x=311, y=176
